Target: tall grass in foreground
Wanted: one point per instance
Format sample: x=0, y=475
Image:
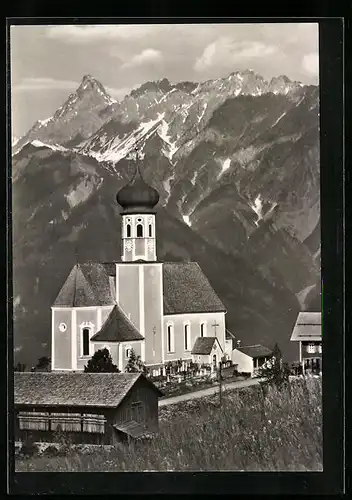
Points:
x=281, y=430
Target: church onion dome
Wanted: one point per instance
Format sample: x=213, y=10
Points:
x=137, y=196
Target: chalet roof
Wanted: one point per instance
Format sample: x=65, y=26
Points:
x=117, y=328
x=204, y=345
x=103, y=390
x=187, y=290
x=255, y=351
x=307, y=327
x=88, y=284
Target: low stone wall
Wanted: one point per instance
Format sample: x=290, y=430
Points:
x=42, y=447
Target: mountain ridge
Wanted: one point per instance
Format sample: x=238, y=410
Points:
x=238, y=177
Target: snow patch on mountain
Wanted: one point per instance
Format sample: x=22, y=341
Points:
x=193, y=180
x=258, y=208
x=120, y=148
x=54, y=147
x=167, y=186
x=81, y=192
x=45, y=122
x=224, y=167
x=280, y=117
x=205, y=105
x=187, y=220
x=163, y=134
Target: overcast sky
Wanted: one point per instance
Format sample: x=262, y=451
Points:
x=48, y=62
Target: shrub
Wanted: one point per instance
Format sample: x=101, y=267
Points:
x=101, y=362
x=135, y=364
x=29, y=447
x=53, y=451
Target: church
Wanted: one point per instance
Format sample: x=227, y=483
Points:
x=158, y=309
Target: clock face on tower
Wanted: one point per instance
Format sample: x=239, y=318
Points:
x=62, y=327
x=128, y=245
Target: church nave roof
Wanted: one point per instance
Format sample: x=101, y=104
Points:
x=186, y=288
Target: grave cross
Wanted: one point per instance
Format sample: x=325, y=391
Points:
x=214, y=325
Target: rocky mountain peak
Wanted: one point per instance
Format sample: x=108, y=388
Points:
x=156, y=86
x=89, y=83
x=280, y=78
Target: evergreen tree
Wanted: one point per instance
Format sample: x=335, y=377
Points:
x=275, y=372
x=135, y=364
x=277, y=355
x=101, y=362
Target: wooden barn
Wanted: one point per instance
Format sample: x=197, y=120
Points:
x=89, y=408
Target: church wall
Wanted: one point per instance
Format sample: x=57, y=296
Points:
x=140, y=249
x=62, y=346
x=201, y=358
x=85, y=317
x=244, y=362
x=128, y=287
x=194, y=320
x=122, y=358
x=153, y=312
x=105, y=311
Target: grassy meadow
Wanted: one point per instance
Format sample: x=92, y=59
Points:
x=251, y=431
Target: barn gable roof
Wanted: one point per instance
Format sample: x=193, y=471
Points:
x=255, y=351
x=187, y=290
x=204, y=345
x=87, y=285
x=307, y=327
x=105, y=390
x=117, y=328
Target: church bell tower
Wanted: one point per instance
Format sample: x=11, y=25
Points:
x=138, y=238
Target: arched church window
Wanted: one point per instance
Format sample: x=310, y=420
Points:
x=170, y=338
x=150, y=230
x=202, y=329
x=187, y=339
x=85, y=340
x=128, y=230
x=139, y=231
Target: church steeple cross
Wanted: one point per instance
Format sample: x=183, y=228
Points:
x=215, y=325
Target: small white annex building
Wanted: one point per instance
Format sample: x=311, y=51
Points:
x=208, y=351
x=249, y=358
x=307, y=332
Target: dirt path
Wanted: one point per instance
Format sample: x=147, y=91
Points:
x=207, y=392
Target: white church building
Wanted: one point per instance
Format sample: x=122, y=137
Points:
x=158, y=309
